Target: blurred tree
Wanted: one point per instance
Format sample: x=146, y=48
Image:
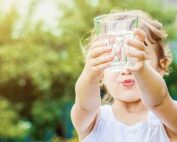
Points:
x=33, y=74
x=11, y=125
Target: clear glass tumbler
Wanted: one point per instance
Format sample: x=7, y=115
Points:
x=117, y=29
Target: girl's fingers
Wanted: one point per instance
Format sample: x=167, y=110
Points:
x=101, y=37
x=101, y=45
x=136, y=67
x=136, y=44
x=98, y=44
x=102, y=59
x=97, y=38
x=101, y=66
x=140, y=34
x=98, y=51
x=141, y=55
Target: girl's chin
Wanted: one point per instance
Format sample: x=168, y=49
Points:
x=129, y=98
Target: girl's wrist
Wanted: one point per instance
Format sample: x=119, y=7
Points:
x=89, y=76
x=143, y=71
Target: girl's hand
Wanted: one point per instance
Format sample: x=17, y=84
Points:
x=138, y=50
x=98, y=58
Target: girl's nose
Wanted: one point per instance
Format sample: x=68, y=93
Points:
x=126, y=72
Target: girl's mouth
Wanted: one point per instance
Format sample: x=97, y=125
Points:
x=128, y=83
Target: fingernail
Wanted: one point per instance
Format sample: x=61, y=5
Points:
x=135, y=29
x=107, y=48
x=127, y=54
x=127, y=41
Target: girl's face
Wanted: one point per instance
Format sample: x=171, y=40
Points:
x=123, y=86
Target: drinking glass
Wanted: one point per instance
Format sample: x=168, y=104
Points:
x=116, y=30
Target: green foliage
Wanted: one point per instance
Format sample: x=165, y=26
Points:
x=28, y=60
x=34, y=68
x=11, y=126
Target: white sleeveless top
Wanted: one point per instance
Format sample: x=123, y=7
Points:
x=108, y=129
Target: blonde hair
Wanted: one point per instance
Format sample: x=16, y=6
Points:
x=155, y=35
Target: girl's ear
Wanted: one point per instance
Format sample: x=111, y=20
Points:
x=162, y=66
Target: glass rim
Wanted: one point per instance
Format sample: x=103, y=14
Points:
x=99, y=18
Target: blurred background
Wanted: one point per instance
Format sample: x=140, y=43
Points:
x=41, y=59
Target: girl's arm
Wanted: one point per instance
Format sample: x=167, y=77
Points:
x=155, y=96
x=86, y=105
x=87, y=101
x=154, y=92
x=152, y=85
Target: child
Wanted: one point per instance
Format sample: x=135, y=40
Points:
x=139, y=107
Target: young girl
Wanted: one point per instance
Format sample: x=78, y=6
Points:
x=139, y=107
